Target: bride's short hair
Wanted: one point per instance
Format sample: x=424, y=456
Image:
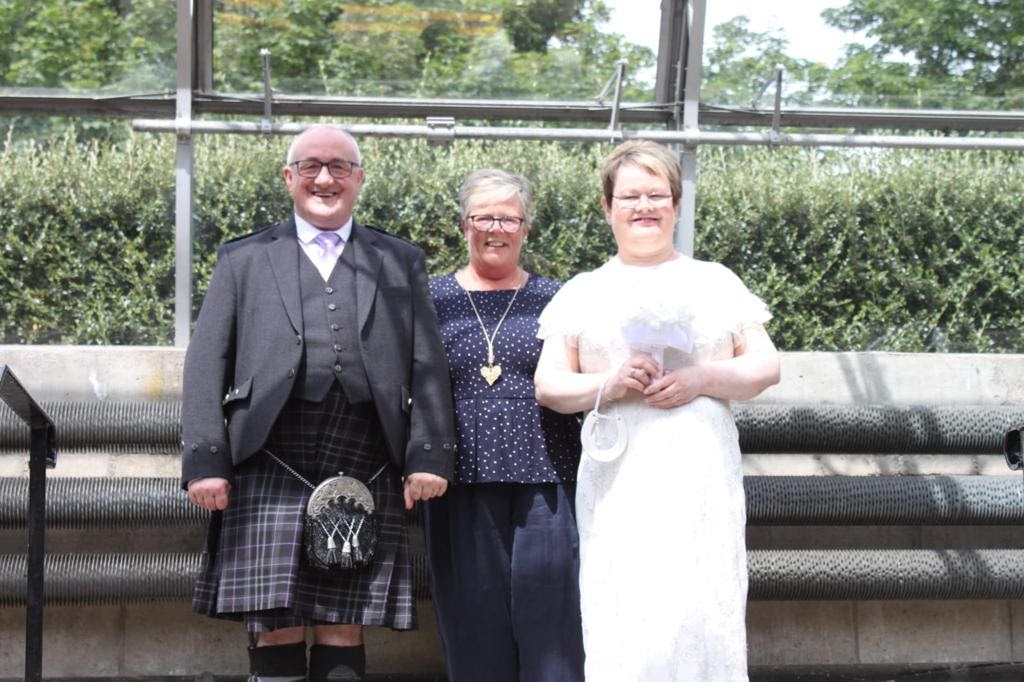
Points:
x=651, y=156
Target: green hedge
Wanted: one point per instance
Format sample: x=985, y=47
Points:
x=857, y=250
x=869, y=250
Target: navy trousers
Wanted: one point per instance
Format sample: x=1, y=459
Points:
x=504, y=565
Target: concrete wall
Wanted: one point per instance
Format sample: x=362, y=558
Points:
x=166, y=639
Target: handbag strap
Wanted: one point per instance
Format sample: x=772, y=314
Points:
x=600, y=390
x=299, y=476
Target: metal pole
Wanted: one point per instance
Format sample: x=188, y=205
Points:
x=202, y=55
x=603, y=135
x=40, y=448
x=183, y=162
x=691, y=106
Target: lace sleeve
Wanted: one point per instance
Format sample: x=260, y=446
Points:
x=742, y=306
x=565, y=314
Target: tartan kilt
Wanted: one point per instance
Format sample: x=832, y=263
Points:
x=253, y=567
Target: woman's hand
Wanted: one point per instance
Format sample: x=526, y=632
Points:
x=676, y=388
x=635, y=374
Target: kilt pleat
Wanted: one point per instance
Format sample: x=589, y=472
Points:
x=253, y=568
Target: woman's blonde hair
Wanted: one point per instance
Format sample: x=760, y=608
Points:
x=651, y=156
x=500, y=183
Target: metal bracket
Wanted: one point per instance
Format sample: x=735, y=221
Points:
x=183, y=129
x=440, y=130
x=776, y=77
x=266, y=125
x=777, y=113
x=618, y=78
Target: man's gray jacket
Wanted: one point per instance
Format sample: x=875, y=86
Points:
x=247, y=349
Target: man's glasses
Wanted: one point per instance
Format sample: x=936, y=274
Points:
x=486, y=223
x=338, y=168
x=633, y=200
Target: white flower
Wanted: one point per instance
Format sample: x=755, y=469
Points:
x=659, y=325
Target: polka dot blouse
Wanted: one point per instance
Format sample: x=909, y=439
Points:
x=503, y=434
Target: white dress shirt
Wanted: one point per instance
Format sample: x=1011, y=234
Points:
x=307, y=234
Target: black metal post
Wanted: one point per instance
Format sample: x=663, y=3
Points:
x=36, y=553
x=41, y=457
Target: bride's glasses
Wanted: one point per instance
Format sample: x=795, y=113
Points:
x=633, y=200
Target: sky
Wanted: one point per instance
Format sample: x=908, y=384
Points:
x=800, y=20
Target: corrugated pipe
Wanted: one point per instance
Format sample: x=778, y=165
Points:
x=879, y=429
x=771, y=500
x=102, y=578
x=886, y=574
x=110, y=426
x=774, y=575
x=102, y=503
x=875, y=429
x=91, y=579
x=884, y=500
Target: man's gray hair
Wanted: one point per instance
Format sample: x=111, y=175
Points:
x=343, y=133
x=499, y=183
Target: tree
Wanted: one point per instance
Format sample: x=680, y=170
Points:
x=939, y=52
x=58, y=44
x=457, y=48
x=740, y=60
x=448, y=48
x=531, y=25
x=578, y=60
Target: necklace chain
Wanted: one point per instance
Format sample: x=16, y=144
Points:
x=491, y=337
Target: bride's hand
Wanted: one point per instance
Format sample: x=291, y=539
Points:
x=635, y=374
x=676, y=388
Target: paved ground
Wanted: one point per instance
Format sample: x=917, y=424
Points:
x=988, y=672
x=981, y=672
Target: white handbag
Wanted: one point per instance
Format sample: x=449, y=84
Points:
x=604, y=436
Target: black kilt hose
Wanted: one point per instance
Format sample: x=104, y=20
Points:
x=253, y=567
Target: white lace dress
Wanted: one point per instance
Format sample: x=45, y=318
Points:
x=663, y=573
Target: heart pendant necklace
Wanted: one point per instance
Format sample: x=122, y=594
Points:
x=492, y=370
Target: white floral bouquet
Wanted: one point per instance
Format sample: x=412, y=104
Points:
x=653, y=327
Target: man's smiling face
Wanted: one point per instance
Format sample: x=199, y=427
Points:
x=325, y=201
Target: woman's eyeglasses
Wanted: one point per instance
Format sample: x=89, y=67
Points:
x=486, y=223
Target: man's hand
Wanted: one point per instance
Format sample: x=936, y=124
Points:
x=212, y=493
x=422, y=486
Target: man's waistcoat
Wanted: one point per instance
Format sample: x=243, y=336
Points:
x=330, y=331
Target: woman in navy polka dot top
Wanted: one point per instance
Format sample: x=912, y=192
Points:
x=502, y=544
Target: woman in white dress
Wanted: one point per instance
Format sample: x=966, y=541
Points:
x=662, y=342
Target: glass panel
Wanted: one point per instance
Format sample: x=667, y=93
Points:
x=87, y=234
x=90, y=46
x=539, y=49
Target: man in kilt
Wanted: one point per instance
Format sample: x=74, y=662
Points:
x=317, y=343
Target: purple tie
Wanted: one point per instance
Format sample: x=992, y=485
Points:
x=328, y=242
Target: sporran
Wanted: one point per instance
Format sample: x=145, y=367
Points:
x=339, y=529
